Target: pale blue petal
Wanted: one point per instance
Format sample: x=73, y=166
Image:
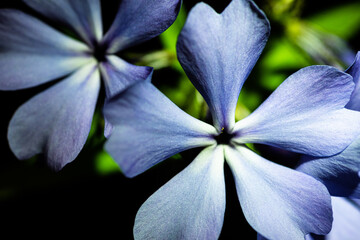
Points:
x=346, y=219
x=278, y=202
x=218, y=51
x=260, y=237
x=190, y=206
x=119, y=75
x=57, y=121
x=139, y=21
x=339, y=173
x=149, y=128
x=32, y=53
x=83, y=17
x=305, y=114
x=354, y=71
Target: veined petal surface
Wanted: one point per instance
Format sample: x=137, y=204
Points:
x=139, y=21
x=190, y=206
x=278, y=202
x=148, y=128
x=339, y=173
x=118, y=75
x=346, y=219
x=83, y=17
x=305, y=114
x=32, y=53
x=218, y=51
x=56, y=122
x=354, y=71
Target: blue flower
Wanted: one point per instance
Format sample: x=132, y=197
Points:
x=57, y=121
x=340, y=173
x=305, y=114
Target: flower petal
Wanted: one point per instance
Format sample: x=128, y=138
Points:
x=305, y=114
x=339, y=173
x=32, y=53
x=119, y=75
x=260, y=237
x=354, y=71
x=57, y=121
x=149, y=128
x=218, y=51
x=190, y=206
x=346, y=219
x=140, y=20
x=278, y=202
x=83, y=17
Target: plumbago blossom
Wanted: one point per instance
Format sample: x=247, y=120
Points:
x=57, y=121
x=305, y=114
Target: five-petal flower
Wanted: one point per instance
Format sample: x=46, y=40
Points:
x=57, y=121
x=306, y=114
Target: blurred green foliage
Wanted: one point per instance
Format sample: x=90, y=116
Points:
x=343, y=20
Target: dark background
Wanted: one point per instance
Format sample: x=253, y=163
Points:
x=79, y=200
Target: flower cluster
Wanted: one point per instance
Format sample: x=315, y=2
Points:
x=314, y=112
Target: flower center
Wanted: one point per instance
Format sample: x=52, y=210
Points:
x=224, y=137
x=99, y=52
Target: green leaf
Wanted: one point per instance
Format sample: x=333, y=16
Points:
x=249, y=100
x=344, y=20
x=169, y=37
x=105, y=164
x=185, y=96
x=282, y=54
x=281, y=57
x=271, y=80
